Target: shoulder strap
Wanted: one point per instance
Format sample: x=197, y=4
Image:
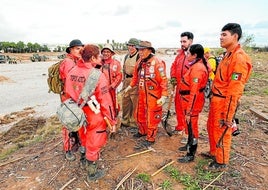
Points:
x=125, y=58
x=90, y=85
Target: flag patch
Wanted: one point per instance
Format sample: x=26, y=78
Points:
x=236, y=76
x=195, y=80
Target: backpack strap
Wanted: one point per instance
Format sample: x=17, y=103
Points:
x=90, y=86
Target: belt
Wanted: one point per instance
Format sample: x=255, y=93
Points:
x=128, y=76
x=187, y=92
x=217, y=95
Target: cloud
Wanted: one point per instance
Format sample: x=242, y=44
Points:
x=161, y=22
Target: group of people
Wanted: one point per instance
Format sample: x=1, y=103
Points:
x=145, y=90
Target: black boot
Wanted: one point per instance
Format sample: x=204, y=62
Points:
x=184, y=148
x=189, y=157
x=92, y=171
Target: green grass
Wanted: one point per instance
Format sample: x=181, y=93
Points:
x=166, y=185
x=42, y=133
x=144, y=177
x=192, y=182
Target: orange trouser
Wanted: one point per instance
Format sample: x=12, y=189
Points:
x=179, y=113
x=96, y=136
x=66, y=139
x=148, y=115
x=215, y=131
x=194, y=118
x=67, y=145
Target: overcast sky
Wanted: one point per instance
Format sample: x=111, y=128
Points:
x=158, y=21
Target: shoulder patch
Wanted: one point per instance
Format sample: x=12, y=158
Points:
x=195, y=80
x=236, y=76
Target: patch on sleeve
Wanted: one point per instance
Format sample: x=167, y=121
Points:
x=195, y=80
x=236, y=76
x=162, y=71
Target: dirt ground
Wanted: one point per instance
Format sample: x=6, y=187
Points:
x=37, y=161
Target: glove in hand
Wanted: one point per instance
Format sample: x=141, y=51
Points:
x=125, y=92
x=161, y=101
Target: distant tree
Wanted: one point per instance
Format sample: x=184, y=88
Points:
x=21, y=47
x=248, y=40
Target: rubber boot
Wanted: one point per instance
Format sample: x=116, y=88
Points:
x=189, y=157
x=184, y=148
x=92, y=171
x=69, y=156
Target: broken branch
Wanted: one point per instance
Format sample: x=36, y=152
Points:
x=162, y=168
x=125, y=178
x=138, y=153
x=66, y=184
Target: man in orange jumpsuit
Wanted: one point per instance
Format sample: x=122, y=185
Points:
x=94, y=136
x=232, y=74
x=113, y=72
x=192, y=88
x=177, y=70
x=150, y=77
x=70, y=139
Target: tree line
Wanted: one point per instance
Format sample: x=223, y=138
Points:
x=21, y=47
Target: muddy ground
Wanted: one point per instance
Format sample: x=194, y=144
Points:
x=32, y=156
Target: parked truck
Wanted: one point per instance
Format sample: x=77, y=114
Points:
x=36, y=58
x=3, y=59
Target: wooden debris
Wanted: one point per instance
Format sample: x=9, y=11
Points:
x=155, y=173
x=139, y=153
x=57, y=173
x=66, y=184
x=213, y=180
x=5, y=163
x=125, y=178
x=259, y=114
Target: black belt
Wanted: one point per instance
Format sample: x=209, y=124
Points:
x=187, y=92
x=128, y=76
x=217, y=95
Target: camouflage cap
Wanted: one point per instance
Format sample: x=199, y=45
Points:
x=133, y=41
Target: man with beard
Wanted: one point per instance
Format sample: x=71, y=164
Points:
x=177, y=70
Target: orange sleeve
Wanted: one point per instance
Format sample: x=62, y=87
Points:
x=238, y=76
x=162, y=77
x=135, y=78
x=105, y=100
x=174, y=67
x=198, y=79
x=117, y=79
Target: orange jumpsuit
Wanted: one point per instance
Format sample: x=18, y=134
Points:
x=112, y=70
x=150, y=77
x=192, y=88
x=177, y=70
x=94, y=136
x=228, y=85
x=67, y=64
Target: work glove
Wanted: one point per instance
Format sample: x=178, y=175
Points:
x=173, y=81
x=113, y=129
x=126, y=90
x=161, y=100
